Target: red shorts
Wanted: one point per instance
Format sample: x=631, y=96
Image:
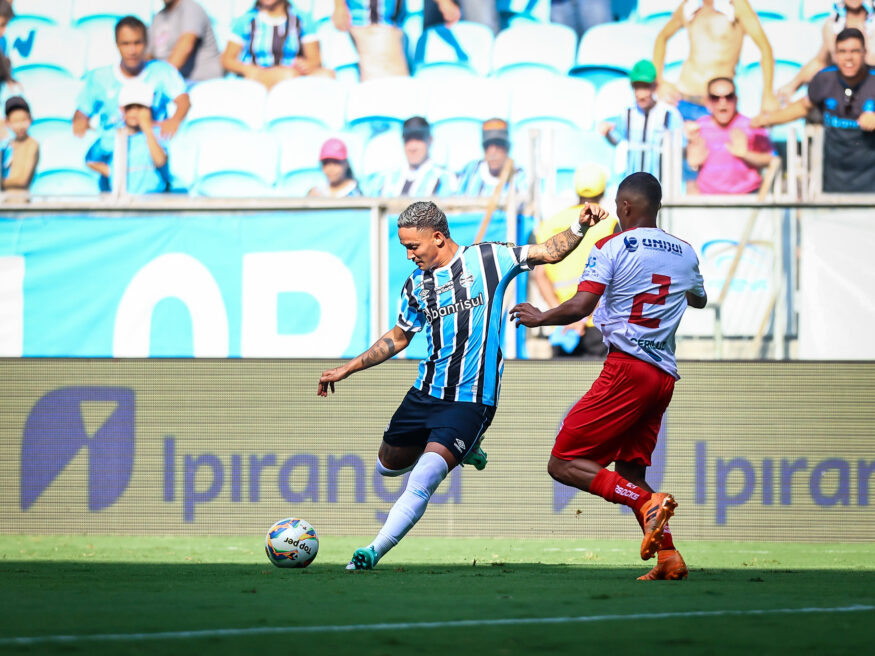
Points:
x=619, y=417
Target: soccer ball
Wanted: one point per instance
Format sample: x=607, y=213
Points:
x=291, y=542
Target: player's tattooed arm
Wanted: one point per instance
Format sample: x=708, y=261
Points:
x=558, y=246
x=392, y=342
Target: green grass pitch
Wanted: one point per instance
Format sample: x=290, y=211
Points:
x=220, y=595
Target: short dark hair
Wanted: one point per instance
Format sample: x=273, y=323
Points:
x=424, y=214
x=6, y=10
x=644, y=185
x=15, y=103
x=416, y=127
x=850, y=33
x=715, y=80
x=133, y=23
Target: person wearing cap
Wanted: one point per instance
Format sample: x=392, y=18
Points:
x=480, y=177
x=136, y=150
x=558, y=282
x=99, y=95
x=419, y=176
x=19, y=151
x=643, y=125
x=341, y=183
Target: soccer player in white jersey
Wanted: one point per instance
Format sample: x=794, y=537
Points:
x=645, y=279
x=455, y=296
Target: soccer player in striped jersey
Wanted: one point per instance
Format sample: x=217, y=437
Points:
x=645, y=279
x=456, y=296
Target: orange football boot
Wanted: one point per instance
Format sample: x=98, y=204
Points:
x=655, y=513
x=670, y=566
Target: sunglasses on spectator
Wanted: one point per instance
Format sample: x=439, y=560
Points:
x=729, y=97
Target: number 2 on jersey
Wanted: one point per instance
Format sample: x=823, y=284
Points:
x=639, y=300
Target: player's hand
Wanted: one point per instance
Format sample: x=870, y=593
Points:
x=591, y=214
x=328, y=378
x=867, y=121
x=526, y=314
x=341, y=18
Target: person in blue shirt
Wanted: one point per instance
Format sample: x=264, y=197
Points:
x=419, y=176
x=99, y=97
x=481, y=177
x=271, y=43
x=145, y=166
x=455, y=296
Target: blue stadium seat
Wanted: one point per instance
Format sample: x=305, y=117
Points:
x=338, y=53
x=382, y=153
x=613, y=98
x=415, y=6
x=610, y=50
x=516, y=12
x=61, y=169
x=817, y=11
x=548, y=46
x=52, y=107
x=182, y=156
x=96, y=18
x=383, y=104
x=101, y=51
x=233, y=104
x=47, y=12
x=578, y=148
x=412, y=28
x=656, y=12
x=535, y=104
x=793, y=43
x=50, y=53
x=770, y=10
x=237, y=165
x=465, y=45
x=295, y=106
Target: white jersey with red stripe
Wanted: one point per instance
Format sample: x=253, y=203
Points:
x=643, y=275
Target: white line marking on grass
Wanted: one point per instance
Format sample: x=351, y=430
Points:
x=401, y=626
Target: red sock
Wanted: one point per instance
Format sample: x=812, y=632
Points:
x=667, y=542
x=611, y=486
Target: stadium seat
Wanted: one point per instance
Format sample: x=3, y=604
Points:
x=52, y=53
x=299, y=167
x=578, y=148
x=656, y=12
x=535, y=105
x=412, y=28
x=232, y=104
x=96, y=18
x=101, y=51
x=771, y=10
x=793, y=43
x=61, y=169
x=548, y=46
x=517, y=12
x=238, y=165
x=415, y=6
x=297, y=105
x=383, y=104
x=613, y=98
x=52, y=107
x=382, y=152
x=219, y=11
x=464, y=45
x=816, y=11
x=47, y=12
x=182, y=156
x=610, y=50
x=338, y=53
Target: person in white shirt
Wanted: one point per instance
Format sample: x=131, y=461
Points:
x=645, y=278
x=419, y=176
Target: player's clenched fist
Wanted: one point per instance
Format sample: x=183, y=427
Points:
x=591, y=214
x=526, y=314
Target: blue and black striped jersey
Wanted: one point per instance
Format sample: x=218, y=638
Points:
x=460, y=307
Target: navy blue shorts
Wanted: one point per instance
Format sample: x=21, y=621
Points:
x=421, y=419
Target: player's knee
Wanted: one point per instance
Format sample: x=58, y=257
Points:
x=383, y=470
x=557, y=469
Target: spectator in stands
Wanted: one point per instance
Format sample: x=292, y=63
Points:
x=850, y=13
x=99, y=96
x=644, y=124
x=558, y=282
x=341, y=182
x=136, y=149
x=580, y=15
x=724, y=148
x=716, y=29
x=481, y=177
x=182, y=35
x=375, y=27
x=449, y=12
x=419, y=177
x=19, y=152
x=272, y=42
x=844, y=97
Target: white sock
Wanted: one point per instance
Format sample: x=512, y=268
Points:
x=427, y=474
x=385, y=471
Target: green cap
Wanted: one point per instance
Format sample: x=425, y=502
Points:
x=643, y=71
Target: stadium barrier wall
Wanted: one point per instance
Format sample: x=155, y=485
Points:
x=752, y=450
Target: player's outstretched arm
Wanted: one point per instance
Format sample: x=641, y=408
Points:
x=394, y=341
x=558, y=246
x=574, y=309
